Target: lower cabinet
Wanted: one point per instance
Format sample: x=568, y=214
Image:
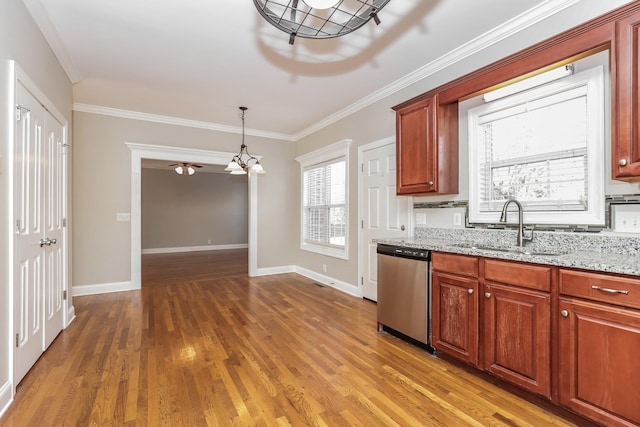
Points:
x=599, y=347
x=497, y=315
x=516, y=336
x=455, y=316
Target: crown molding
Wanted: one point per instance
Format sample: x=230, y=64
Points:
x=41, y=18
x=521, y=22
x=169, y=120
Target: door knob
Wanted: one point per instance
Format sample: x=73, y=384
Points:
x=45, y=242
x=53, y=241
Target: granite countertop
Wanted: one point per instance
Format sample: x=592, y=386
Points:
x=605, y=261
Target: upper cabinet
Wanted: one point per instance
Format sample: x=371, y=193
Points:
x=625, y=149
x=427, y=147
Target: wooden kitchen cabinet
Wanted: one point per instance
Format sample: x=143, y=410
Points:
x=599, y=344
x=426, y=147
x=455, y=306
x=625, y=144
x=516, y=315
x=598, y=354
x=517, y=336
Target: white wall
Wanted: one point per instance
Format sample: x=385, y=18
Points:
x=102, y=188
x=182, y=211
x=377, y=121
x=20, y=40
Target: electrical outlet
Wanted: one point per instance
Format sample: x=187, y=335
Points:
x=421, y=218
x=627, y=222
x=324, y=268
x=457, y=218
x=209, y=242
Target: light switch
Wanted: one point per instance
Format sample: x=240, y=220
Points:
x=421, y=218
x=123, y=217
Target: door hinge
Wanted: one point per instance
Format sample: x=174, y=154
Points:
x=19, y=110
x=362, y=223
x=18, y=226
x=64, y=222
x=361, y=167
x=17, y=340
x=64, y=295
x=362, y=280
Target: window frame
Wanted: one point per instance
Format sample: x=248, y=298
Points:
x=318, y=158
x=594, y=81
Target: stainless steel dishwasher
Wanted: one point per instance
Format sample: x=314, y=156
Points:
x=404, y=292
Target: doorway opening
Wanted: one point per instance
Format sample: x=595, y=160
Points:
x=167, y=153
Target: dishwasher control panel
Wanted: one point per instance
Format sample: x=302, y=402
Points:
x=404, y=252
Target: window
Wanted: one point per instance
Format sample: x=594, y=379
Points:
x=324, y=200
x=543, y=146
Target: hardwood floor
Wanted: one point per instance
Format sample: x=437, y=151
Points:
x=208, y=349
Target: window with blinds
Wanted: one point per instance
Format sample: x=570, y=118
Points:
x=325, y=190
x=543, y=146
x=324, y=204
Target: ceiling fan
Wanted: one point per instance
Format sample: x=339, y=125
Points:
x=185, y=169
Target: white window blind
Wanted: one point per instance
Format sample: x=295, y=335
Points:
x=543, y=147
x=324, y=210
x=325, y=191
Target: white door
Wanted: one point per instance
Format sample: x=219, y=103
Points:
x=53, y=168
x=29, y=228
x=384, y=214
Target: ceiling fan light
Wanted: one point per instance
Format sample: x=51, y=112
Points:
x=179, y=170
x=321, y=4
x=191, y=170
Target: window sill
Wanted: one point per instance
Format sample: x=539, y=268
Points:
x=324, y=250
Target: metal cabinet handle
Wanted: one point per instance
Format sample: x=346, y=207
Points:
x=431, y=183
x=622, y=162
x=470, y=291
x=564, y=313
x=487, y=294
x=610, y=291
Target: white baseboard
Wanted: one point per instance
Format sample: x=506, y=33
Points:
x=329, y=281
x=71, y=316
x=5, y=397
x=195, y=248
x=275, y=270
x=103, y=288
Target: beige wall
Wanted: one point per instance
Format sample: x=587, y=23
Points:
x=20, y=40
x=377, y=121
x=181, y=211
x=102, y=188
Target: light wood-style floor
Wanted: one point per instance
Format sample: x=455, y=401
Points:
x=219, y=348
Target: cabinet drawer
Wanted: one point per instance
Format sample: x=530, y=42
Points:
x=462, y=265
x=524, y=275
x=601, y=287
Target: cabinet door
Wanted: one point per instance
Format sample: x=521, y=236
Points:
x=598, y=353
x=517, y=328
x=455, y=316
x=626, y=139
x=416, y=148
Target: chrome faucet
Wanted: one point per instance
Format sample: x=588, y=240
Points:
x=503, y=218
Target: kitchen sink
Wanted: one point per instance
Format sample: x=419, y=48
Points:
x=512, y=249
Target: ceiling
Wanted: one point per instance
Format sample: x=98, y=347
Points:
x=201, y=59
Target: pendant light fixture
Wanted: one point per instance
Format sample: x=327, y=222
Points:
x=244, y=162
x=319, y=19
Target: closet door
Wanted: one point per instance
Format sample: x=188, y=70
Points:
x=29, y=255
x=53, y=167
